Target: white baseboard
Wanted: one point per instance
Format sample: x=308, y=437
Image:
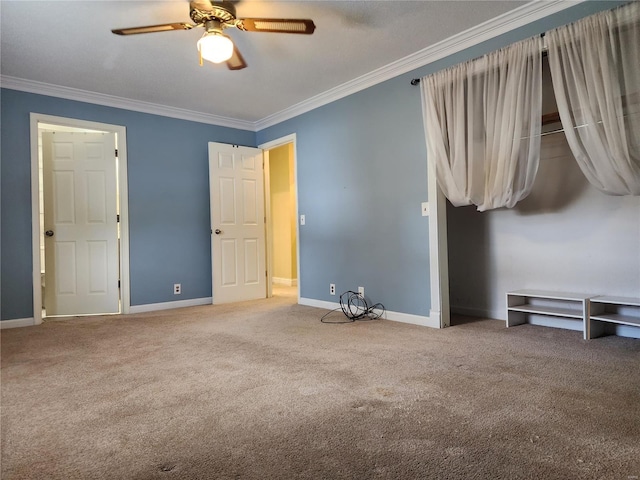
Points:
x=413, y=319
x=476, y=312
x=153, y=307
x=312, y=302
x=289, y=282
x=17, y=322
x=393, y=316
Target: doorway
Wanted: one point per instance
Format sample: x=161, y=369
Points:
x=281, y=197
x=50, y=281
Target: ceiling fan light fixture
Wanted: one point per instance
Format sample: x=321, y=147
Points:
x=215, y=47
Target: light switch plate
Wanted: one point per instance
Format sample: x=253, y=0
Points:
x=425, y=209
x=302, y=219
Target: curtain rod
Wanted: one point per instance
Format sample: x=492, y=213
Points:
x=416, y=81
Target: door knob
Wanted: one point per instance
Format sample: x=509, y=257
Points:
x=218, y=231
x=49, y=233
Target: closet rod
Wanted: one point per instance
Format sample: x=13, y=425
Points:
x=558, y=130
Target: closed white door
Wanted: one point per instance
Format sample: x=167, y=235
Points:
x=80, y=223
x=237, y=223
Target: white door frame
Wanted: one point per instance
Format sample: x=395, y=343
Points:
x=120, y=131
x=438, y=253
x=267, y=206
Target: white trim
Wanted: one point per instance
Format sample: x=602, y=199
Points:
x=123, y=189
x=278, y=142
x=438, y=250
x=17, y=322
x=35, y=221
x=393, y=316
x=35, y=119
x=291, y=138
x=312, y=302
x=68, y=93
x=268, y=234
x=154, y=307
x=413, y=319
x=438, y=256
x=516, y=18
x=289, y=282
x=492, y=28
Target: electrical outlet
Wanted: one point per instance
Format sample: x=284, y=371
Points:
x=177, y=289
x=361, y=291
x=332, y=288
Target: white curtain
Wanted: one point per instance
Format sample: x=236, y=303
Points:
x=482, y=124
x=595, y=67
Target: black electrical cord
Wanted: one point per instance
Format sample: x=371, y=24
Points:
x=355, y=307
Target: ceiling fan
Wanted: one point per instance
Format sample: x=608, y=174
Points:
x=215, y=17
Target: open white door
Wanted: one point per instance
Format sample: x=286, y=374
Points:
x=237, y=223
x=80, y=223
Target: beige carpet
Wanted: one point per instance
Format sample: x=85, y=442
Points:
x=264, y=390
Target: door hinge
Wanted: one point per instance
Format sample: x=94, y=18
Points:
x=116, y=152
x=118, y=283
x=118, y=218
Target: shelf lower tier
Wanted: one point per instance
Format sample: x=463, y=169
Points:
x=546, y=310
x=594, y=315
x=617, y=318
x=556, y=322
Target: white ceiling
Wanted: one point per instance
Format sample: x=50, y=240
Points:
x=70, y=44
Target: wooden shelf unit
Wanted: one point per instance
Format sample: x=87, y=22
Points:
x=607, y=310
x=551, y=309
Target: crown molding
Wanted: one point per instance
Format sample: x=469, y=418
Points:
x=492, y=28
x=495, y=27
x=68, y=93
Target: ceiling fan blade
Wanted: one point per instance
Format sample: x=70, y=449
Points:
x=153, y=28
x=277, y=25
x=236, y=62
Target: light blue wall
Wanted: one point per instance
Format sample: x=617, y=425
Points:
x=169, y=222
x=361, y=178
x=362, y=173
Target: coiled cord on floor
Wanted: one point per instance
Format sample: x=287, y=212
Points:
x=355, y=307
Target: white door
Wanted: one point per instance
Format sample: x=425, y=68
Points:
x=237, y=223
x=80, y=223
